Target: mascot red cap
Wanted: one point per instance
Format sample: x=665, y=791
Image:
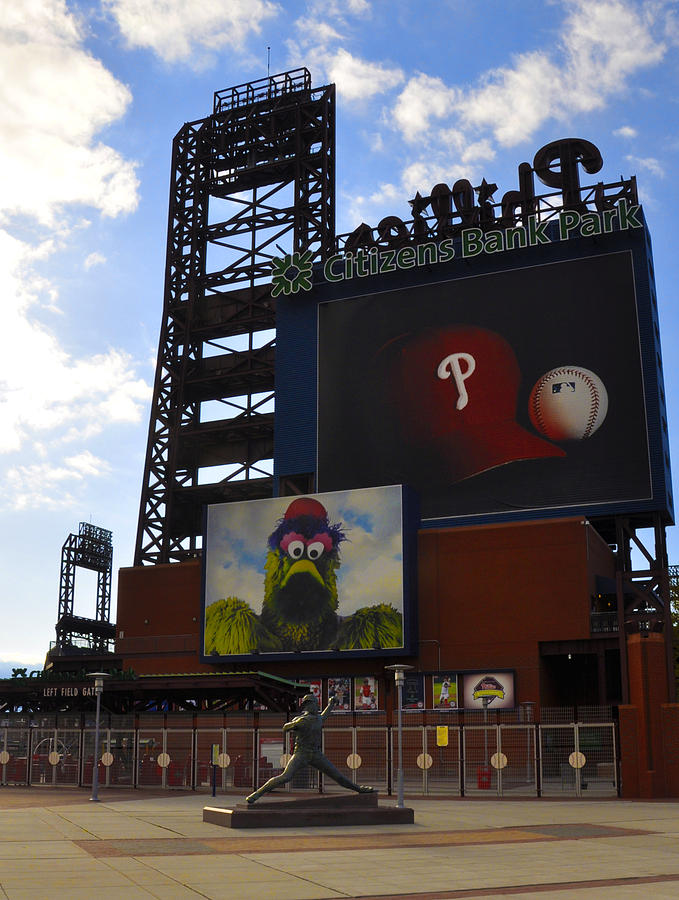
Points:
x=306, y=506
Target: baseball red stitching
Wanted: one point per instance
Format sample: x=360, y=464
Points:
x=594, y=394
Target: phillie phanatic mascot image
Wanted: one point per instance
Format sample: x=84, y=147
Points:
x=300, y=605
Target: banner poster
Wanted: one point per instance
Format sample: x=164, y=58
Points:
x=341, y=689
x=445, y=691
x=315, y=688
x=494, y=690
x=365, y=694
x=413, y=692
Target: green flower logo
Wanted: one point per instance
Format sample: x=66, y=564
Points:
x=292, y=273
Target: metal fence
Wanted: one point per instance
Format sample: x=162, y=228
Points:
x=473, y=760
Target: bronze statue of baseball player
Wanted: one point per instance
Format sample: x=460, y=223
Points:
x=307, y=728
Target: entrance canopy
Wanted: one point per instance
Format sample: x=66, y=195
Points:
x=125, y=693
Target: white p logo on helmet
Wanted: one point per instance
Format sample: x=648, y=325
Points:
x=450, y=366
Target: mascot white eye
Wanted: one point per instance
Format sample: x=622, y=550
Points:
x=315, y=550
x=295, y=549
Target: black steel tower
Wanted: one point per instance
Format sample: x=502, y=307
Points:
x=91, y=548
x=250, y=182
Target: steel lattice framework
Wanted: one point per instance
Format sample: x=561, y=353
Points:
x=91, y=548
x=252, y=181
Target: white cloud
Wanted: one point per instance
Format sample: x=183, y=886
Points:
x=425, y=173
x=55, y=98
x=603, y=44
x=451, y=157
x=50, y=21
x=386, y=191
x=46, y=486
x=358, y=79
x=625, y=131
x=513, y=102
x=649, y=163
x=424, y=98
x=449, y=129
x=320, y=33
x=43, y=388
x=189, y=30
x=10, y=661
x=317, y=32
x=672, y=24
x=94, y=259
x=606, y=41
x=375, y=141
x=339, y=10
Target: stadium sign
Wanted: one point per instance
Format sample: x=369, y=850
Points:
x=294, y=272
x=69, y=691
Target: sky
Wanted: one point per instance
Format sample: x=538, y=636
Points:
x=91, y=96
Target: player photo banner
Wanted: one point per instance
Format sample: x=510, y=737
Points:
x=444, y=691
x=508, y=391
x=315, y=688
x=490, y=690
x=366, y=695
x=340, y=689
x=413, y=692
x=309, y=574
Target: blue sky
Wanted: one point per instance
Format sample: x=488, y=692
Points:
x=92, y=95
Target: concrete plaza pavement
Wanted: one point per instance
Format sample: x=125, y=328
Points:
x=57, y=844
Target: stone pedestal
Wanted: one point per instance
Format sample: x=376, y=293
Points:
x=281, y=811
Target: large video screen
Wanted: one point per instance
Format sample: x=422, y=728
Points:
x=316, y=574
x=501, y=393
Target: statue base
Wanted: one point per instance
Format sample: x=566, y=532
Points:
x=278, y=811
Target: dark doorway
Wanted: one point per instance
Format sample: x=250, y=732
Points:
x=570, y=679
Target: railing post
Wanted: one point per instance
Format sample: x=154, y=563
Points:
x=390, y=758
x=576, y=745
x=425, y=770
x=255, y=757
x=498, y=751
x=194, y=756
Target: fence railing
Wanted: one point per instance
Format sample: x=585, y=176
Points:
x=465, y=760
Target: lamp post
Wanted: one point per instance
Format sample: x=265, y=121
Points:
x=98, y=690
x=399, y=679
x=527, y=708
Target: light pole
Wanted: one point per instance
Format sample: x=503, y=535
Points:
x=399, y=679
x=527, y=716
x=98, y=690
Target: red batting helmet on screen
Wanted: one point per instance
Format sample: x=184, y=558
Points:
x=456, y=392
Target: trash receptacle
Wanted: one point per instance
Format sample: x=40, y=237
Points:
x=483, y=778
